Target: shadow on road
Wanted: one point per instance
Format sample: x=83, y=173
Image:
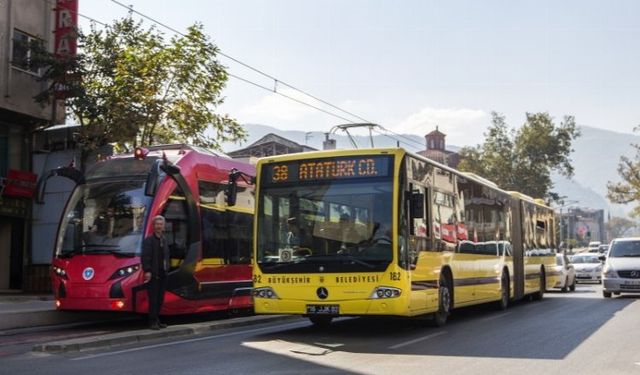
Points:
x=549, y=329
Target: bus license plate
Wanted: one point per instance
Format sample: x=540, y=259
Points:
x=323, y=309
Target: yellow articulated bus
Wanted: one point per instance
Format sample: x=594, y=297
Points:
x=388, y=232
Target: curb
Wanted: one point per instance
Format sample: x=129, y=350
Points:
x=131, y=337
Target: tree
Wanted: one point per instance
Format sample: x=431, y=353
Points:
x=130, y=86
x=523, y=159
x=628, y=190
x=620, y=226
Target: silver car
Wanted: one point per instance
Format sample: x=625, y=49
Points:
x=621, y=272
x=588, y=267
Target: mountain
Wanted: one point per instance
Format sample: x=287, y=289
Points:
x=595, y=158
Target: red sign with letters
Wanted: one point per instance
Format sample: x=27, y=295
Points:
x=20, y=184
x=66, y=30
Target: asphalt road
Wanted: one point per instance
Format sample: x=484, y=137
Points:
x=566, y=333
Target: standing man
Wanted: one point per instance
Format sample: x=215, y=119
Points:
x=155, y=264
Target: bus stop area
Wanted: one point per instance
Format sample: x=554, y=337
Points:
x=21, y=313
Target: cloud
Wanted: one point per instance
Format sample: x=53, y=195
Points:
x=463, y=126
x=276, y=109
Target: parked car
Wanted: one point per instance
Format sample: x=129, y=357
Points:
x=588, y=267
x=621, y=271
x=567, y=272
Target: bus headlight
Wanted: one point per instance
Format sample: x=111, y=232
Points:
x=385, y=292
x=264, y=292
x=125, y=271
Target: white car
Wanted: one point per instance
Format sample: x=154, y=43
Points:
x=621, y=272
x=588, y=267
x=567, y=273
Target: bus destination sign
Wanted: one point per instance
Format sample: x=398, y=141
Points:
x=327, y=169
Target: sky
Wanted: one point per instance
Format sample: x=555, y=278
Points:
x=412, y=65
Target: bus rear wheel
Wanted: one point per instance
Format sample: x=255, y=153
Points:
x=439, y=318
x=320, y=321
x=543, y=286
x=504, y=292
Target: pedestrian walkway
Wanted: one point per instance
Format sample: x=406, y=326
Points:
x=35, y=310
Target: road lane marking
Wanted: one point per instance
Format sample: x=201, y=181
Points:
x=91, y=356
x=427, y=337
x=495, y=317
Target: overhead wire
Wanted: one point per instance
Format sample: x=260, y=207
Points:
x=398, y=137
x=248, y=66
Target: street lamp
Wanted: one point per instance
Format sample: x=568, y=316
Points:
x=563, y=204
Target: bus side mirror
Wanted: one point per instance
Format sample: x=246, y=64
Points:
x=232, y=187
x=232, y=192
x=416, y=205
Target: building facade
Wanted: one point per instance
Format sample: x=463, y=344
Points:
x=22, y=23
x=583, y=225
x=436, y=149
x=269, y=145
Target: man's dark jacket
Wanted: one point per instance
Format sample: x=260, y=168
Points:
x=154, y=259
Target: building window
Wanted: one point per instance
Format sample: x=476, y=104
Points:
x=23, y=49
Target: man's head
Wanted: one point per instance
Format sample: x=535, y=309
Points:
x=158, y=225
x=292, y=224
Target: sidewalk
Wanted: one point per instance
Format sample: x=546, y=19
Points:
x=27, y=310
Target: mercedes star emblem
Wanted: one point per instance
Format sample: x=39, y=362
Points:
x=322, y=293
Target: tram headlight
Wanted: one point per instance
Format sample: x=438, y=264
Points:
x=140, y=153
x=60, y=272
x=264, y=292
x=125, y=271
x=385, y=292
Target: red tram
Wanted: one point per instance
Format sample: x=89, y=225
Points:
x=96, y=262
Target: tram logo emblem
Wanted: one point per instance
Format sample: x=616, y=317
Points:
x=322, y=293
x=88, y=273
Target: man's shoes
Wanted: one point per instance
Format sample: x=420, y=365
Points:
x=155, y=327
x=162, y=325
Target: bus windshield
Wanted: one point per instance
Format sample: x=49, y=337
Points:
x=330, y=226
x=104, y=218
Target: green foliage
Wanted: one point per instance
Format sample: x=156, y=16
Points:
x=628, y=190
x=620, y=226
x=131, y=86
x=523, y=159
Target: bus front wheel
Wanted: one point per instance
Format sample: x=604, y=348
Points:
x=444, y=302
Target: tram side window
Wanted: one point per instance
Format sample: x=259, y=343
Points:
x=240, y=237
x=175, y=214
x=214, y=232
x=211, y=192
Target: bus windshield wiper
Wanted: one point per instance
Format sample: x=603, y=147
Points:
x=341, y=257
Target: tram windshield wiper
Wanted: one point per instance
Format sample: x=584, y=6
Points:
x=68, y=253
x=106, y=249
